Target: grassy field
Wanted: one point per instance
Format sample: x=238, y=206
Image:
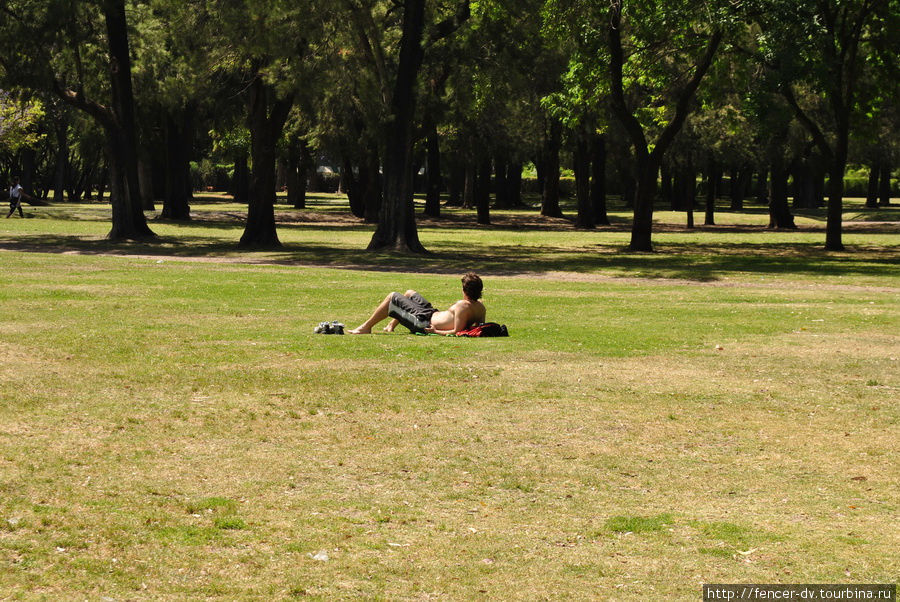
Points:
x=722, y=411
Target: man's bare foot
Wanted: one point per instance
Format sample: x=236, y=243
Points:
x=388, y=328
x=360, y=330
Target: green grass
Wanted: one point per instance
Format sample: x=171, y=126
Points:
x=170, y=427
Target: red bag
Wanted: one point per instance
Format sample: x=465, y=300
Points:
x=487, y=329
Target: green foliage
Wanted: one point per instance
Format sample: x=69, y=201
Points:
x=19, y=120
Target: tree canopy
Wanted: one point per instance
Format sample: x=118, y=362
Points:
x=645, y=95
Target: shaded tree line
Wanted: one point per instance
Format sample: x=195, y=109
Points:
x=663, y=102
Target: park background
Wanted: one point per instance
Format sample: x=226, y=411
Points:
x=683, y=400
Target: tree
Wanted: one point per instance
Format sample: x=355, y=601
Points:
x=645, y=25
x=54, y=47
x=815, y=45
x=252, y=43
x=419, y=29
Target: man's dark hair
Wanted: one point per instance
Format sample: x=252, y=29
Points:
x=472, y=286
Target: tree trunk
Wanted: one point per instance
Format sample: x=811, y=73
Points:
x=241, y=181
x=292, y=179
x=690, y=198
x=762, y=186
x=884, y=185
x=666, y=187
x=373, y=192
x=145, y=182
x=598, y=179
x=630, y=190
x=835, y=211
x=501, y=184
x=550, y=160
x=648, y=161
x=483, y=192
x=712, y=184
x=779, y=212
x=397, y=227
x=62, y=158
x=581, y=160
x=736, y=189
x=265, y=126
x=131, y=223
x=804, y=191
x=433, y=173
x=102, y=181
x=644, y=194
x=514, y=184
x=352, y=188
x=457, y=182
x=469, y=186
x=676, y=202
x=305, y=168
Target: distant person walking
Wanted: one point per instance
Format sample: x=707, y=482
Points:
x=16, y=193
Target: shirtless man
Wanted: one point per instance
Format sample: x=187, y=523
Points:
x=416, y=313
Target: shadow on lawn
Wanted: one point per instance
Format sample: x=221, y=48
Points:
x=687, y=261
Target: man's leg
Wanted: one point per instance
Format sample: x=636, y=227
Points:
x=21, y=213
x=380, y=313
x=394, y=321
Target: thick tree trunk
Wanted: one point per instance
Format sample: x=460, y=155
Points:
x=265, y=126
x=581, y=160
x=598, y=179
x=125, y=129
x=550, y=160
x=123, y=210
x=644, y=194
x=433, y=172
x=397, y=227
x=779, y=212
x=835, y=210
x=179, y=136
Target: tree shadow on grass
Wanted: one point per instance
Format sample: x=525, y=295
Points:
x=684, y=261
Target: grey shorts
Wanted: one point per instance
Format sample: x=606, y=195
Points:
x=413, y=312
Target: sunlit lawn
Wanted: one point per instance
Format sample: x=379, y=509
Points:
x=170, y=427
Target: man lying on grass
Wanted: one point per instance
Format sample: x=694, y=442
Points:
x=416, y=313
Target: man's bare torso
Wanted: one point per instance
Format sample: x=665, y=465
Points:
x=473, y=312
